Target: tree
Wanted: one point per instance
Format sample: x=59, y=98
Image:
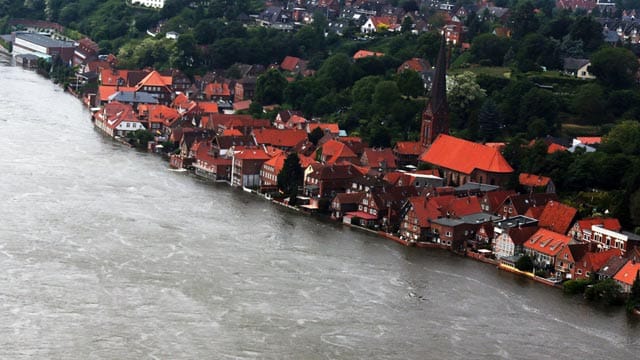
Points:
x=539, y=104
x=489, y=120
x=615, y=67
x=607, y=292
x=270, y=87
x=523, y=20
x=489, y=48
x=290, y=177
x=588, y=30
x=524, y=263
x=407, y=24
x=315, y=135
x=336, y=71
x=410, y=83
x=464, y=96
x=623, y=138
x=589, y=104
x=633, y=301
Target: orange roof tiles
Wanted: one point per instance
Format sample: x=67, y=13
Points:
x=332, y=151
x=289, y=63
x=553, y=147
x=608, y=223
x=366, y=53
x=557, y=216
x=547, y=242
x=109, y=77
x=533, y=180
x=217, y=89
x=464, y=156
x=628, y=273
x=590, y=140
x=375, y=157
x=241, y=105
x=598, y=259
x=281, y=138
x=163, y=114
x=416, y=64
x=252, y=154
x=155, y=79
x=332, y=128
x=208, y=107
x=409, y=148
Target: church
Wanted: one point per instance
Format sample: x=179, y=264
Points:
x=459, y=161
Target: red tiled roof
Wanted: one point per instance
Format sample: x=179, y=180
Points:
x=231, y=132
x=590, y=140
x=557, y=216
x=409, y=148
x=534, y=212
x=458, y=207
x=289, y=63
x=241, y=105
x=362, y=215
x=281, y=138
x=277, y=162
x=109, y=77
x=496, y=145
x=495, y=198
x=553, y=147
x=155, y=79
x=533, y=180
x=628, y=273
x=416, y=64
x=349, y=198
x=366, y=53
x=598, y=259
x=608, y=223
x=375, y=157
x=333, y=151
x=297, y=119
x=547, y=242
x=251, y=154
x=208, y=107
x=115, y=112
x=332, y=128
x=217, y=89
x=424, y=210
x=464, y=156
x=163, y=114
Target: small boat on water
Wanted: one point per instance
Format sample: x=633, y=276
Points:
x=180, y=170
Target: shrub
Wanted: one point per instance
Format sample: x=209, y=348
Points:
x=575, y=286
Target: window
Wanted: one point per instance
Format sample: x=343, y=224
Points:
x=448, y=234
x=579, y=271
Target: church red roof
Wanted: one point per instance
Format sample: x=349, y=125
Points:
x=465, y=156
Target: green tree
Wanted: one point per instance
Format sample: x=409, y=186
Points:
x=290, y=177
x=524, y=20
x=589, y=31
x=410, y=83
x=589, y=103
x=464, y=96
x=607, y=292
x=633, y=301
x=270, y=87
x=489, y=48
x=539, y=104
x=623, y=138
x=336, y=72
x=615, y=67
x=524, y=263
x=489, y=120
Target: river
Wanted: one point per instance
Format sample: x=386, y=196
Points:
x=105, y=254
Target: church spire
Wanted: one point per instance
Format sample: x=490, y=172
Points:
x=435, y=118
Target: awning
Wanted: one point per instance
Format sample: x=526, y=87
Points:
x=362, y=215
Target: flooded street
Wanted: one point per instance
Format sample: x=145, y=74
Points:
x=105, y=254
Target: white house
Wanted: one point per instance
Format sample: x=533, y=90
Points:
x=149, y=3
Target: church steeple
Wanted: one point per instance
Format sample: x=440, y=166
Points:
x=435, y=118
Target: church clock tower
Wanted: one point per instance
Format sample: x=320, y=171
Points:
x=435, y=118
